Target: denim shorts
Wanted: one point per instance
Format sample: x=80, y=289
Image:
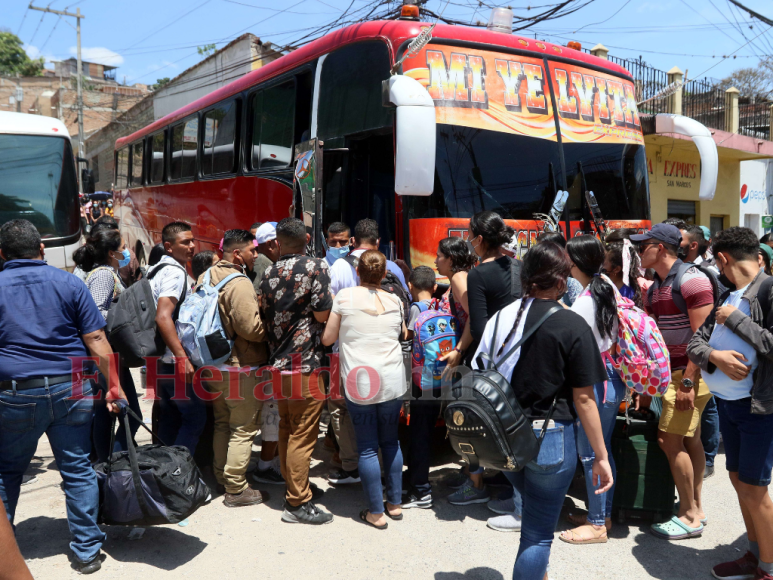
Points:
x=748, y=441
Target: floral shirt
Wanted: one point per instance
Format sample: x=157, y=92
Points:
x=290, y=292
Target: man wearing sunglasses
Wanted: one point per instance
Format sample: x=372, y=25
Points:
x=687, y=395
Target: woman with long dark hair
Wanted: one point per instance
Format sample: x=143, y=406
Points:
x=622, y=264
x=573, y=287
x=597, y=304
x=555, y=368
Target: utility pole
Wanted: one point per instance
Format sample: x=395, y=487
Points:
x=78, y=16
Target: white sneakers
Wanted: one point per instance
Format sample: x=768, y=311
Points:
x=506, y=523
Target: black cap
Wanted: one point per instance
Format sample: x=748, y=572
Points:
x=665, y=233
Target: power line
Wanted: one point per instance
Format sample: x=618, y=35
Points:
x=167, y=25
x=606, y=20
x=51, y=33
x=23, y=18
x=37, y=28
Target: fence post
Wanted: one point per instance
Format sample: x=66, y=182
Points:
x=675, y=101
x=600, y=51
x=731, y=110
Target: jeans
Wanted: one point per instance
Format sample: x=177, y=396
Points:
x=180, y=421
x=710, y=431
x=424, y=415
x=376, y=427
x=24, y=417
x=103, y=420
x=543, y=484
x=600, y=506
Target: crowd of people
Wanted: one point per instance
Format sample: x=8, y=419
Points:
x=93, y=207
x=359, y=336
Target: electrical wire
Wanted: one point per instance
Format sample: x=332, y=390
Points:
x=167, y=25
x=23, y=18
x=37, y=27
x=51, y=33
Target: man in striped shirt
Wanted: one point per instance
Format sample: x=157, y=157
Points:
x=687, y=395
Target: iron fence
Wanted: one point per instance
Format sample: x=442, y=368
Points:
x=704, y=101
x=648, y=82
x=754, y=119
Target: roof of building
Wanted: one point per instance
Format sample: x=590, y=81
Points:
x=105, y=66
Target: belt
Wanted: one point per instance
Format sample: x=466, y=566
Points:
x=38, y=382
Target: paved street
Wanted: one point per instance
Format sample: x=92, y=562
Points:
x=445, y=543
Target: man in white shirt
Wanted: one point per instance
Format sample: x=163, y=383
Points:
x=183, y=414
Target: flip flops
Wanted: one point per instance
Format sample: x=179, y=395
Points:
x=364, y=518
x=577, y=539
x=675, y=529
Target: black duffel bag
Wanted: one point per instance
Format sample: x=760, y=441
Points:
x=169, y=483
x=486, y=424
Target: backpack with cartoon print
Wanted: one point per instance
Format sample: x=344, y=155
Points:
x=435, y=333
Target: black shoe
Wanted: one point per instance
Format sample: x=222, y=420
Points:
x=91, y=566
x=708, y=472
x=316, y=492
x=306, y=513
x=269, y=476
x=341, y=476
x=417, y=501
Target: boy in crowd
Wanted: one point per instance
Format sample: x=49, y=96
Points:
x=202, y=262
x=687, y=395
x=734, y=348
x=268, y=250
x=337, y=240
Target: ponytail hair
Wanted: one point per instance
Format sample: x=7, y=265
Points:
x=96, y=250
x=587, y=253
x=620, y=250
x=491, y=228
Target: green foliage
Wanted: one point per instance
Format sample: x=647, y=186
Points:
x=14, y=60
x=206, y=50
x=159, y=83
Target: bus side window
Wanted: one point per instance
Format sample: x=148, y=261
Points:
x=157, y=159
x=218, y=149
x=185, y=139
x=136, y=165
x=272, y=111
x=121, y=168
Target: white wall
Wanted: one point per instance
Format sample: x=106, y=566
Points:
x=754, y=194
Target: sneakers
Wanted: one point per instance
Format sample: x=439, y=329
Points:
x=456, y=480
x=708, y=472
x=469, y=495
x=341, y=476
x=248, y=497
x=744, y=568
x=316, y=492
x=415, y=501
x=306, y=513
x=506, y=523
x=271, y=475
x=29, y=479
x=502, y=506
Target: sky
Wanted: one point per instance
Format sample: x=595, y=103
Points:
x=152, y=39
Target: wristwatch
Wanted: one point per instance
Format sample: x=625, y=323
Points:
x=687, y=384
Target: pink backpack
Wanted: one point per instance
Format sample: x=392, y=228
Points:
x=641, y=356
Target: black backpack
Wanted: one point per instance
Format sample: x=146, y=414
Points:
x=131, y=321
x=485, y=422
x=676, y=285
x=171, y=485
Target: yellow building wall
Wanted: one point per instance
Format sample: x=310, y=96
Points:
x=674, y=173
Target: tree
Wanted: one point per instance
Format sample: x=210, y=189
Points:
x=160, y=83
x=14, y=60
x=206, y=50
x=754, y=82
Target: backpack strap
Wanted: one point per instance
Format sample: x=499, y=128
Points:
x=353, y=261
x=421, y=306
x=515, y=278
x=676, y=285
x=160, y=267
x=227, y=279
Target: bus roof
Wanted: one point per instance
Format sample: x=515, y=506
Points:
x=394, y=32
x=25, y=124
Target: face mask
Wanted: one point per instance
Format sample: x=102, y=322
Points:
x=681, y=253
x=110, y=205
x=725, y=281
x=334, y=254
x=126, y=258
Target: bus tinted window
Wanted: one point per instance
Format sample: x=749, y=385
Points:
x=219, y=138
x=273, y=113
x=157, y=161
x=122, y=168
x=350, y=90
x=185, y=139
x=136, y=178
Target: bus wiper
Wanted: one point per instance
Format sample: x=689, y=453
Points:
x=550, y=220
x=595, y=211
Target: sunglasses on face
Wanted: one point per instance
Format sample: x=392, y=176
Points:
x=643, y=247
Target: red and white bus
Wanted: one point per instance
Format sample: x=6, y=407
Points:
x=511, y=122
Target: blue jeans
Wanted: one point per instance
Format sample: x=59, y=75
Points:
x=180, y=421
x=710, y=430
x=600, y=506
x=24, y=417
x=376, y=427
x=103, y=420
x=543, y=484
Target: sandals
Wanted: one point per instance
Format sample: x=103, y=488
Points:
x=390, y=516
x=577, y=539
x=675, y=529
x=581, y=519
x=364, y=518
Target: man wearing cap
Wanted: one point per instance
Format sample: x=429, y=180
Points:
x=687, y=395
x=268, y=250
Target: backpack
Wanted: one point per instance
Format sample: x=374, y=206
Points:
x=486, y=424
x=435, y=333
x=199, y=325
x=131, y=321
x=676, y=285
x=149, y=485
x=117, y=288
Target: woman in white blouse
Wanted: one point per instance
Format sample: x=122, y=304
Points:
x=368, y=322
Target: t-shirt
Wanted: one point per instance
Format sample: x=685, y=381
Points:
x=45, y=312
x=105, y=286
x=586, y=307
x=169, y=282
x=673, y=324
x=343, y=275
x=489, y=289
x=291, y=291
x=415, y=313
x=573, y=289
x=262, y=263
x=722, y=338
x=562, y=355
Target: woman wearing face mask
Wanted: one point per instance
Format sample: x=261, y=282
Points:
x=109, y=209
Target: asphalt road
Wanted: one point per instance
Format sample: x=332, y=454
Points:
x=444, y=543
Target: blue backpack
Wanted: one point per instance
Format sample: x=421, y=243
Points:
x=199, y=326
x=435, y=334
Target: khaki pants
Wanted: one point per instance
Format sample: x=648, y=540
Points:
x=236, y=424
x=344, y=432
x=298, y=432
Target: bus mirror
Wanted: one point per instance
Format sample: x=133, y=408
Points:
x=87, y=181
x=306, y=177
x=414, y=135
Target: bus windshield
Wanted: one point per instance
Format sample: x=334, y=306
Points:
x=517, y=176
x=38, y=183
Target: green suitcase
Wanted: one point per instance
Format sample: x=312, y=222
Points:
x=644, y=488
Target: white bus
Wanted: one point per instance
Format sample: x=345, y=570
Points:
x=39, y=182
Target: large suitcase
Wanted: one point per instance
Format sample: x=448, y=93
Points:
x=644, y=488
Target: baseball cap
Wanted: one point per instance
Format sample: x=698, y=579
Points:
x=265, y=233
x=665, y=233
x=768, y=252
x=706, y=232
